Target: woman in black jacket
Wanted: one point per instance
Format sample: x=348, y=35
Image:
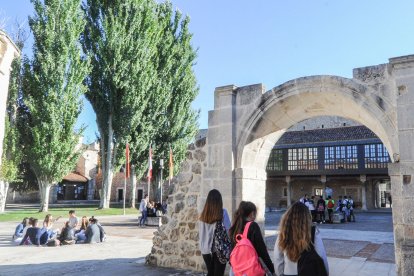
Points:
x=245, y=213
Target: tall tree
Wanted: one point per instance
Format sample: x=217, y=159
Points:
x=12, y=155
x=176, y=122
x=120, y=37
x=52, y=86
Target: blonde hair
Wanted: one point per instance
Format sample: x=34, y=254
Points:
x=295, y=231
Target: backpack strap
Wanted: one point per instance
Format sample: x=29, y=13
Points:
x=246, y=229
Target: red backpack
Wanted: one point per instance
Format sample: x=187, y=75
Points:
x=244, y=260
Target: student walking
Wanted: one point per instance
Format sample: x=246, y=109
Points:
x=245, y=216
x=212, y=219
x=295, y=239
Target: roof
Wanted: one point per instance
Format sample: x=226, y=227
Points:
x=75, y=177
x=340, y=135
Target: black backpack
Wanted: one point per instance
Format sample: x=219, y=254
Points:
x=310, y=263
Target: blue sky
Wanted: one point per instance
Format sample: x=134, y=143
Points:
x=272, y=41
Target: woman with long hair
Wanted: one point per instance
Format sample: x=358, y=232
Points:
x=80, y=234
x=295, y=236
x=247, y=213
x=212, y=214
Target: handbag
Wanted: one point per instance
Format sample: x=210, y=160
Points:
x=221, y=243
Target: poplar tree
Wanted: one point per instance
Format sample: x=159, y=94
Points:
x=53, y=84
x=12, y=154
x=120, y=38
x=175, y=123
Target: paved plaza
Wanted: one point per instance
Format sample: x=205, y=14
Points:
x=353, y=249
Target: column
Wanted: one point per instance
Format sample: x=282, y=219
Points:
x=289, y=191
x=323, y=181
x=363, y=179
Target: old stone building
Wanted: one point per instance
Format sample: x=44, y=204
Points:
x=329, y=152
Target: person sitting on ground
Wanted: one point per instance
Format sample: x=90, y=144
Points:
x=29, y=225
x=92, y=233
x=80, y=234
x=48, y=226
x=67, y=235
x=73, y=219
x=102, y=233
x=18, y=232
x=32, y=235
x=295, y=236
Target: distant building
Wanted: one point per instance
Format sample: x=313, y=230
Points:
x=321, y=152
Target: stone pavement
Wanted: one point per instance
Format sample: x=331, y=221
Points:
x=127, y=245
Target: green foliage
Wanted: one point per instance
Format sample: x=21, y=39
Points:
x=169, y=120
x=53, y=84
x=12, y=152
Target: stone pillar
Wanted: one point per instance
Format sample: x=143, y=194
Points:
x=8, y=51
x=289, y=191
x=219, y=173
x=363, y=179
x=401, y=173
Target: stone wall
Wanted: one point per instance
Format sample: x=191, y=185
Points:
x=175, y=243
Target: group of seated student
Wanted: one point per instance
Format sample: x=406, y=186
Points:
x=89, y=230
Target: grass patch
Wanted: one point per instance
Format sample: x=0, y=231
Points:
x=18, y=215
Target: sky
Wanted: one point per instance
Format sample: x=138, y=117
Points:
x=273, y=41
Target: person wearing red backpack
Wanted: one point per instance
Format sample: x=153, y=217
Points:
x=296, y=237
x=249, y=255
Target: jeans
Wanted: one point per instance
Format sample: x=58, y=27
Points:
x=214, y=267
x=143, y=218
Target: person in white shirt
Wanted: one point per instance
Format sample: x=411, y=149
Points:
x=73, y=219
x=294, y=237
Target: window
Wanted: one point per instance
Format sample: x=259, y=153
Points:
x=303, y=159
x=284, y=192
x=318, y=191
x=376, y=156
x=341, y=157
x=275, y=162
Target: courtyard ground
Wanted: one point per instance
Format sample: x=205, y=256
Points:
x=353, y=249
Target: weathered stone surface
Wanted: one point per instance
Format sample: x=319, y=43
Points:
x=189, y=155
x=201, y=142
x=196, y=168
x=192, y=201
x=178, y=207
x=200, y=155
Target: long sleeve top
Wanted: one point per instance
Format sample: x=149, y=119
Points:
x=19, y=230
x=287, y=267
x=33, y=234
x=256, y=238
x=206, y=232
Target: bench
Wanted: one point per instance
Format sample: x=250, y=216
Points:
x=152, y=221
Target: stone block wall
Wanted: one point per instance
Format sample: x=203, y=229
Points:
x=175, y=243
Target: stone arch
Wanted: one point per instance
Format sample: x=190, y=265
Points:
x=293, y=102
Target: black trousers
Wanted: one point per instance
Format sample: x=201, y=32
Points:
x=214, y=267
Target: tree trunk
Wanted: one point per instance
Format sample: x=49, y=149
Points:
x=107, y=168
x=44, y=189
x=133, y=180
x=4, y=187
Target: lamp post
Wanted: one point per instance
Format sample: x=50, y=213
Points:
x=161, y=168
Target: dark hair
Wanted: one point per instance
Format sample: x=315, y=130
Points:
x=71, y=212
x=145, y=195
x=25, y=221
x=329, y=197
x=213, y=209
x=34, y=222
x=240, y=217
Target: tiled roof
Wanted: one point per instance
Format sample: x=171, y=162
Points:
x=75, y=177
x=351, y=133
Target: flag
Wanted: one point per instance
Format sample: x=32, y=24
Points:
x=127, y=171
x=149, y=175
x=171, y=165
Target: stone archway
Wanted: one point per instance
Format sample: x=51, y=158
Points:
x=247, y=121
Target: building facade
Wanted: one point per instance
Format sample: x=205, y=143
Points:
x=329, y=152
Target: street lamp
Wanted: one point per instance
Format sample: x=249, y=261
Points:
x=161, y=168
